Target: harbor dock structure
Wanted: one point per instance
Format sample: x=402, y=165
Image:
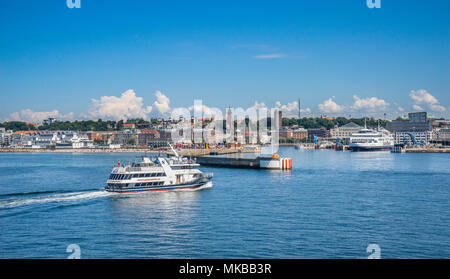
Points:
x=260, y=162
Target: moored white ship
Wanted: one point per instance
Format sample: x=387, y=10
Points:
x=371, y=140
x=157, y=174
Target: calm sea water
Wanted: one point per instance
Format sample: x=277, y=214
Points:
x=331, y=205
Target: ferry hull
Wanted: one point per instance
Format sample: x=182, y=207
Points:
x=157, y=188
x=369, y=148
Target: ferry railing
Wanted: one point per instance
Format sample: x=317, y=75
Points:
x=133, y=169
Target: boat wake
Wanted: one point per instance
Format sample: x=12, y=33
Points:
x=206, y=186
x=30, y=198
x=14, y=200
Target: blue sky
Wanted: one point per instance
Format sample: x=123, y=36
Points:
x=227, y=53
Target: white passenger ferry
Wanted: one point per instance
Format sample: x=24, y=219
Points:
x=157, y=174
x=371, y=140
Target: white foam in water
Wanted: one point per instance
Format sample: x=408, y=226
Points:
x=67, y=197
x=206, y=186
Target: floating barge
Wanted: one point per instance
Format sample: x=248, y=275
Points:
x=259, y=162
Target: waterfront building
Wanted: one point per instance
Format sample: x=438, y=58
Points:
x=44, y=139
x=71, y=139
x=147, y=136
x=165, y=134
x=106, y=137
x=300, y=133
x=345, y=131
x=319, y=133
x=124, y=137
x=50, y=139
x=441, y=123
x=5, y=137
x=417, y=125
x=286, y=133
x=441, y=136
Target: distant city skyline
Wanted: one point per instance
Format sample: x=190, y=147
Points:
x=136, y=59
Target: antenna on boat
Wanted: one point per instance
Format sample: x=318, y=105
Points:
x=365, y=124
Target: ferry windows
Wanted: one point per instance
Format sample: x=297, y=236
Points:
x=153, y=174
x=147, y=175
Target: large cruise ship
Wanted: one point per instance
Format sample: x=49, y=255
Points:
x=371, y=140
x=157, y=174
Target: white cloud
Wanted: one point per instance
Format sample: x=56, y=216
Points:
x=162, y=103
x=329, y=106
x=291, y=109
x=27, y=115
x=401, y=109
x=437, y=107
x=371, y=104
x=204, y=111
x=269, y=56
x=421, y=96
x=417, y=107
x=117, y=108
x=259, y=105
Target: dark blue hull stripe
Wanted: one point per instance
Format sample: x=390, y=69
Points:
x=155, y=188
x=358, y=148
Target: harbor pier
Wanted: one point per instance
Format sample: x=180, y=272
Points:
x=253, y=163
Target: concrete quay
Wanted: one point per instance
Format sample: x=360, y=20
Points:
x=426, y=150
